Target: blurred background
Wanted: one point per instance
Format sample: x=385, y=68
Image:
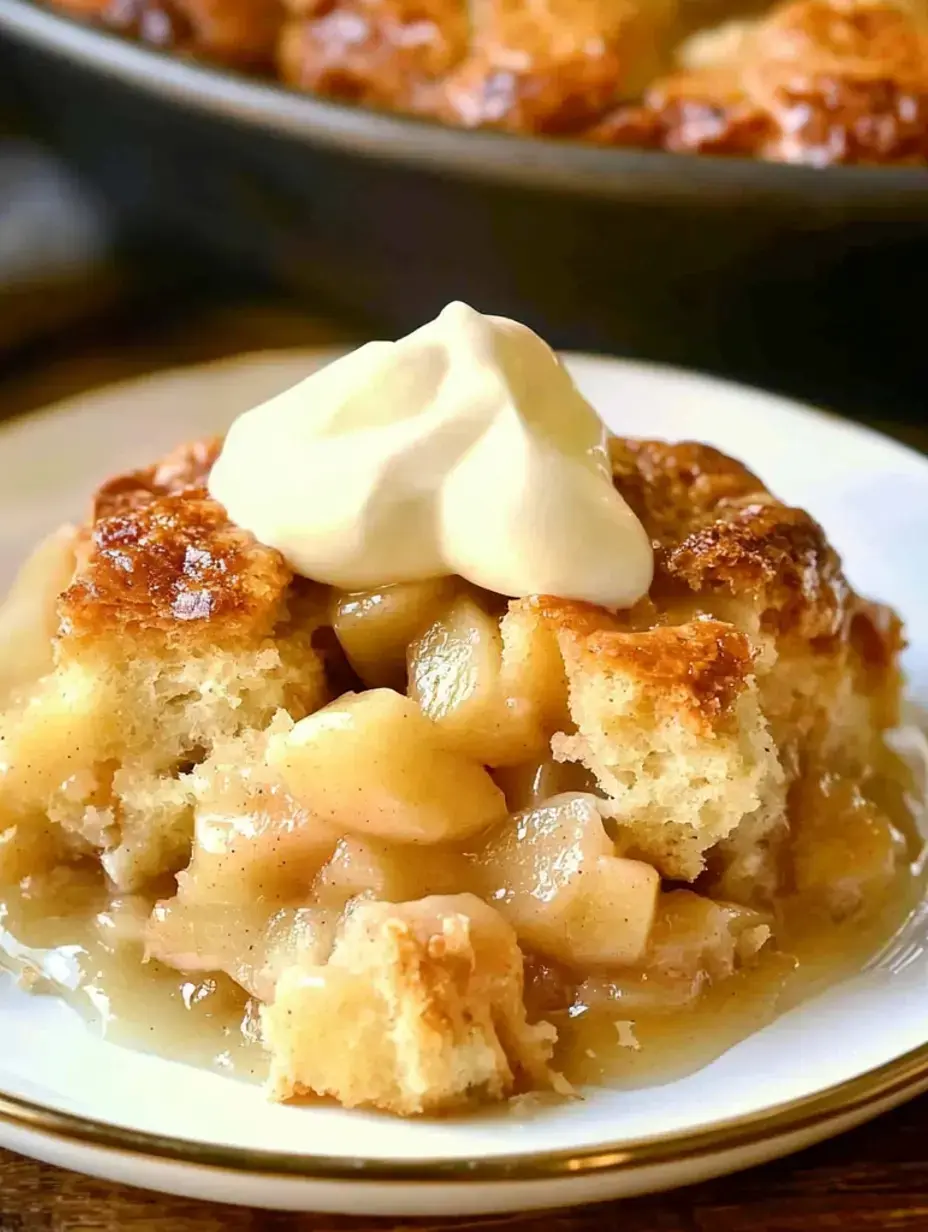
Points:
x=156, y=212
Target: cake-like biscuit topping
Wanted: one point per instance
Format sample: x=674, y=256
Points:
x=697, y=670
x=237, y=32
x=161, y=555
x=815, y=81
x=717, y=530
x=720, y=732
x=818, y=82
x=177, y=630
x=553, y=67
x=419, y=1009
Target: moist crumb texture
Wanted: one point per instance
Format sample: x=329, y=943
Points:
x=421, y=831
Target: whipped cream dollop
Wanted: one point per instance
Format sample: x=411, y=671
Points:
x=464, y=448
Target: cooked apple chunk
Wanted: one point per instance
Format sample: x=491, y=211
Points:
x=532, y=660
x=390, y=872
x=554, y=874
x=375, y=627
x=418, y=1010
x=694, y=942
x=252, y=944
x=698, y=938
x=372, y=765
x=455, y=675
x=253, y=841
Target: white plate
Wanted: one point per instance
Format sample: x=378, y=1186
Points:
x=69, y=1098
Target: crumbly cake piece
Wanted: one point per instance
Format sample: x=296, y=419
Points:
x=419, y=1009
x=826, y=660
x=751, y=663
x=815, y=81
x=669, y=721
x=177, y=630
x=183, y=692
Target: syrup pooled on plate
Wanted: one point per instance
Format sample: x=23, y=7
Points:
x=423, y=846
x=64, y=932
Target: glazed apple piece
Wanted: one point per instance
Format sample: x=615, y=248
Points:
x=375, y=627
x=371, y=764
x=695, y=934
x=554, y=874
x=390, y=872
x=243, y=897
x=694, y=941
x=252, y=944
x=533, y=783
x=455, y=676
x=253, y=840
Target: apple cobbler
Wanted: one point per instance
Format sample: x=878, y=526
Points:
x=818, y=82
x=424, y=833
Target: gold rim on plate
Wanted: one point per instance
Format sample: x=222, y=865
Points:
x=854, y=1099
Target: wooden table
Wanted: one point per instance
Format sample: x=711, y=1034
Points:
x=873, y=1178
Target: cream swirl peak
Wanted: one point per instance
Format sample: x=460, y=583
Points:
x=464, y=448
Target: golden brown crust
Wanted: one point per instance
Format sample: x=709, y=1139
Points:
x=702, y=112
x=675, y=488
x=184, y=470
x=381, y=52
x=779, y=556
x=160, y=554
x=716, y=530
x=570, y=616
x=237, y=32
x=695, y=671
x=818, y=81
x=815, y=81
x=551, y=67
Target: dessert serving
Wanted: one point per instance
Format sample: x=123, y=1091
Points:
x=420, y=745
x=803, y=81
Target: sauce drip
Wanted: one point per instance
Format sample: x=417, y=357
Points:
x=61, y=932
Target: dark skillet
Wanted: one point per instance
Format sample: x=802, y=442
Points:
x=806, y=280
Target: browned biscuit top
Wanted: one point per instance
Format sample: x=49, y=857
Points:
x=161, y=554
x=815, y=81
x=717, y=530
x=698, y=668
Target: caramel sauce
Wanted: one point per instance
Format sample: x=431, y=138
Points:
x=61, y=933
x=613, y=1038
x=629, y=1047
